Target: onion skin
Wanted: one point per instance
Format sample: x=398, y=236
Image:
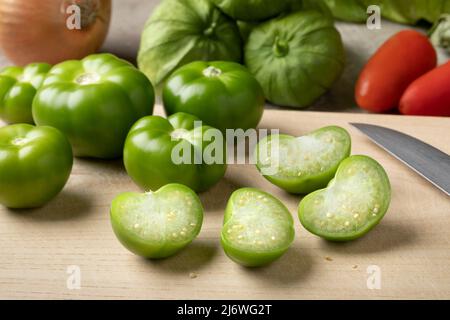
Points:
x=36, y=31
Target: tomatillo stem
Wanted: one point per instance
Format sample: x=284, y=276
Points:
x=280, y=47
x=210, y=31
x=211, y=72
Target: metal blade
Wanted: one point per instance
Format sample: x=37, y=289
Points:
x=429, y=162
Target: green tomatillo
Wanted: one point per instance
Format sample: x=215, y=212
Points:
x=303, y=164
x=222, y=94
x=35, y=164
x=179, y=149
x=296, y=58
x=354, y=202
x=182, y=31
x=158, y=224
x=18, y=86
x=94, y=101
x=257, y=228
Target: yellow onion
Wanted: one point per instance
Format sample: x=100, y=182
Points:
x=52, y=30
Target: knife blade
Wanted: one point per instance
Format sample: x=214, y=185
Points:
x=428, y=161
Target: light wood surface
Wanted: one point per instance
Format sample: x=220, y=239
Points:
x=410, y=246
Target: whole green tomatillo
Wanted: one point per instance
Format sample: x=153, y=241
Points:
x=94, y=101
x=35, y=164
x=181, y=31
x=18, y=86
x=222, y=94
x=179, y=149
x=296, y=58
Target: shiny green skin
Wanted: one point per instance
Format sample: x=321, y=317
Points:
x=306, y=206
x=252, y=10
x=148, y=153
x=122, y=208
x=35, y=164
x=295, y=58
x=18, y=86
x=182, y=31
x=309, y=181
x=95, y=116
x=251, y=257
x=231, y=99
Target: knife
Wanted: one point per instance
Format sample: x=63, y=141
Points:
x=426, y=160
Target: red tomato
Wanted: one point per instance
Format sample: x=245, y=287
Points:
x=429, y=95
x=397, y=63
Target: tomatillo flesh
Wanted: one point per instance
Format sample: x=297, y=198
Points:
x=222, y=94
x=303, y=164
x=157, y=224
x=354, y=202
x=257, y=228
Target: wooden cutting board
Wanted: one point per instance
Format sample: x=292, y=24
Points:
x=406, y=256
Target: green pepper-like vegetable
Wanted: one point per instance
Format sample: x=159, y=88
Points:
x=18, y=86
x=159, y=151
x=182, y=31
x=224, y=95
x=35, y=164
x=95, y=102
x=295, y=58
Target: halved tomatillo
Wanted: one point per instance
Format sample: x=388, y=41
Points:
x=354, y=202
x=306, y=163
x=257, y=228
x=157, y=224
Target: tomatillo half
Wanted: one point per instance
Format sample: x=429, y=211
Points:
x=157, y=224
x=303, y=164
x=95, y=102
x=222, y=94
x=354, y=202
x=35, y=164
x=179, y=149
x=257, y=228
x=18, y=86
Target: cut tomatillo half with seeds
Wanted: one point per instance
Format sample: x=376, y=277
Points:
x=157, y=224
x=354, y=202
x=303, y=164
x=257, y=228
